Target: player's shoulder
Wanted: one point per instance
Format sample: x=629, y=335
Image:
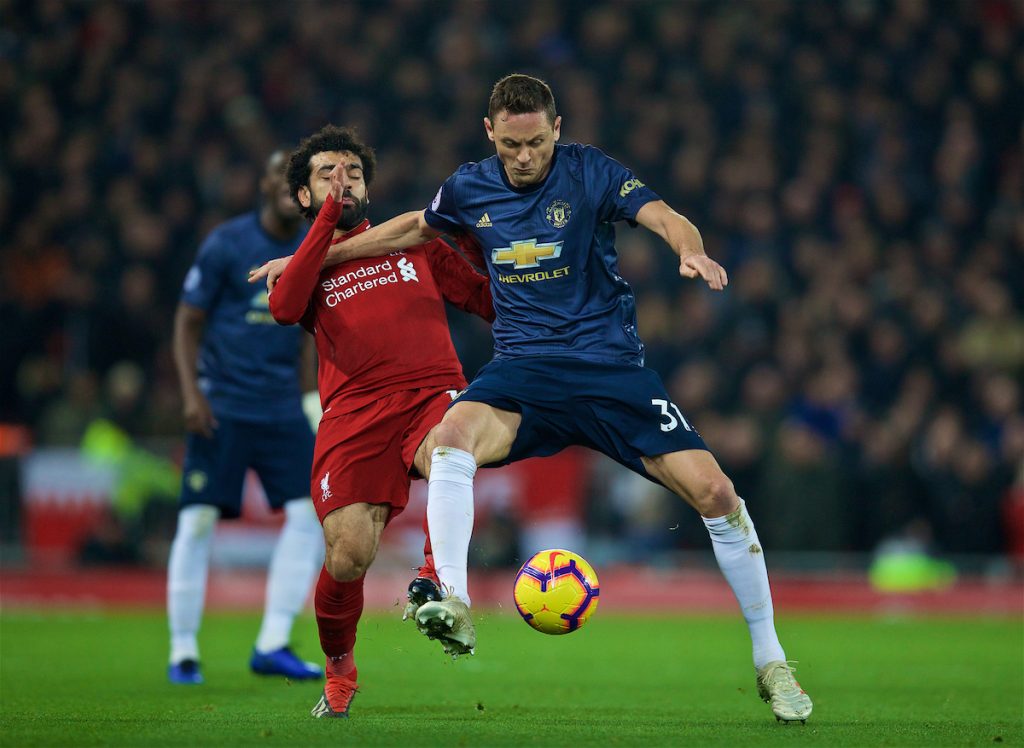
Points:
x=577, y=159
x=232, y=231
x=476, y=170
x=471, y=180
x=241, y=226
x=582, y=154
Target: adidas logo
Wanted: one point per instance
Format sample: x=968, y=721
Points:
x=484, y=222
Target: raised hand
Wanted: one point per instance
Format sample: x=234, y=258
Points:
x=339, y=176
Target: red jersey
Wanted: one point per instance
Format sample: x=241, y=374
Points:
x=379, y=322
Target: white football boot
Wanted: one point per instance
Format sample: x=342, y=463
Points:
x=777, y=686
x=450, y=622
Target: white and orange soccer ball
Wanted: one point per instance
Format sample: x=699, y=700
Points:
x=556, y=591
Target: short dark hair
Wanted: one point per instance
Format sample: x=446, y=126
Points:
x=329, y=138
x=522, y=94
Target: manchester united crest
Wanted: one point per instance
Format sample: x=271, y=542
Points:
x=558, y=213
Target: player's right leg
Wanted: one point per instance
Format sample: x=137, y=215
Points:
x=470, y=434
x=352, y=536
x=187, y=570
x=211, y=487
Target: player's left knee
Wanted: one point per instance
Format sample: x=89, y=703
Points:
x=717, y=497
x=347, y=564
x=449, y=434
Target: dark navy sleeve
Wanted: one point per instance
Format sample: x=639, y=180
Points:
x=206, y=276
x=616, y=194
x=443, y=214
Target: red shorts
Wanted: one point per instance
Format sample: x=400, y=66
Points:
x=367, y=455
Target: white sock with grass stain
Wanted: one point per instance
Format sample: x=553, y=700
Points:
x=450, y=516
x=741, y=560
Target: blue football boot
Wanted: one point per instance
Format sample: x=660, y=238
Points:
x=284, y=662
x=185, y=673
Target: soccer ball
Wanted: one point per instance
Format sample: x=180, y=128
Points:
x=556, y=591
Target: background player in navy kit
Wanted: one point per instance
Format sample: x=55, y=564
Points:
x=239, y=377
x=568, y=364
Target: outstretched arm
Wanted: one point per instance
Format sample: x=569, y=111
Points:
x=401, y=232
x=684, y=239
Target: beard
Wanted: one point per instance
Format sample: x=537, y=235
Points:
x=351, y=215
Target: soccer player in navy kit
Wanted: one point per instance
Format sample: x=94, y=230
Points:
x=239, y=375
x=568, y=363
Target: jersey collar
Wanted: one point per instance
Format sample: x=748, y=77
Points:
x=352, y=232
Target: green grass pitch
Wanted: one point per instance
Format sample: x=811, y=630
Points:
x=97, y=679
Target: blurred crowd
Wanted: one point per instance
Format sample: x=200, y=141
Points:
x=855, y=165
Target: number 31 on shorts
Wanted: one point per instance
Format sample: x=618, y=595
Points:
x=673, y=420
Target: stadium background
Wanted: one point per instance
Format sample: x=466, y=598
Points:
x=856, y=167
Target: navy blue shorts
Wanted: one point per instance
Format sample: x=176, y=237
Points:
x=281, y=453
x=618, y=409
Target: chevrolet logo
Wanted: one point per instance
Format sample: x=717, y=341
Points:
x=526, y=253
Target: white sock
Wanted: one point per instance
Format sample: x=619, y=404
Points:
x=450, y=516
x=741, y=560
x=186, y=578
x=297, y=559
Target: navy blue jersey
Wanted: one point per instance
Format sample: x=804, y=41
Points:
x=248, y=364
x=550, y=251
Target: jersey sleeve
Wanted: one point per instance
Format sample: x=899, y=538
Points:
x=205, y=278
x=470, y=249
x=442, y=213
x=616, y=193
x=458, y=281
x=290, y=298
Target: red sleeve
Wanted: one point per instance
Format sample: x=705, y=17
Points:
x=290, y=297
x=471, y=248
x=458, y=281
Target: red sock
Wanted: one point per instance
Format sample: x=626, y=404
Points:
x=338, y=608
x=427, y=571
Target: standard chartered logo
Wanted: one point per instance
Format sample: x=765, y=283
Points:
x=408, y=270
x=346, y=285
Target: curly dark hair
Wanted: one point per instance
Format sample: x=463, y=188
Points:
x=522, y=94
x=329, y=138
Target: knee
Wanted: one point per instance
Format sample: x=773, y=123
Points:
x=716, y=496
x=196, y=522
x=299, y=514
x=346, y=564
x=450, y=433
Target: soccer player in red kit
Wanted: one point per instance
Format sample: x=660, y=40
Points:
x=387, y=373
